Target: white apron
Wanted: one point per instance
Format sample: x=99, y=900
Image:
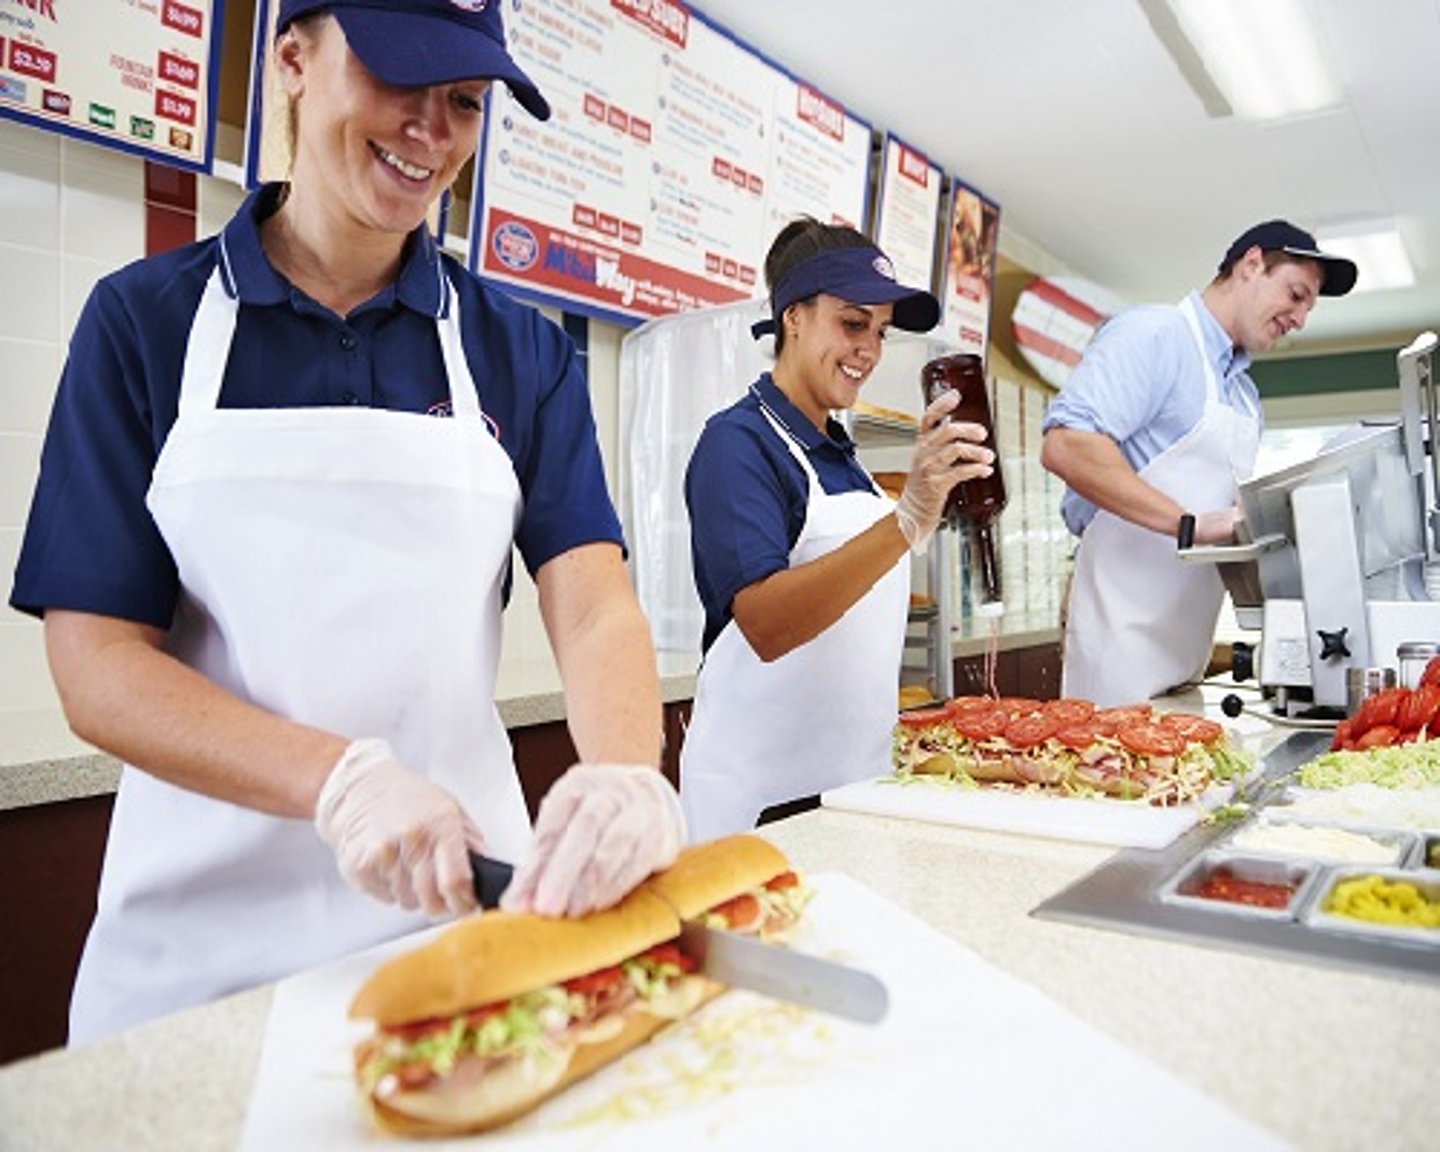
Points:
x=818, y=717
x=1141, y=620
x=341, y=567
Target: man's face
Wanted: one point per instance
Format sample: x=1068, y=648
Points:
x=1274, y=301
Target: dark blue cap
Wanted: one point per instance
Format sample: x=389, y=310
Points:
x=860, y=275
x=420, y=43
x=1281, y=236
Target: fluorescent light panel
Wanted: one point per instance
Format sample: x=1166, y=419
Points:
x=1264, y=55
x=1377, y=251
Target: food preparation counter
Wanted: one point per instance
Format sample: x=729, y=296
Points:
x=1323, y=1058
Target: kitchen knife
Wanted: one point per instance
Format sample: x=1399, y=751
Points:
x=744, y=961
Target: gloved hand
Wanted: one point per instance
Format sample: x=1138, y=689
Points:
x=601, y=830
x=397, y=836
x=1218, y=527
x=940, y=447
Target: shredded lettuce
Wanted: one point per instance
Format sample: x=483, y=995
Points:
x=1399, y=766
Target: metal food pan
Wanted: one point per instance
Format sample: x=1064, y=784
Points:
x=1399, y=846
x=1426, y=880
x=1182, y=889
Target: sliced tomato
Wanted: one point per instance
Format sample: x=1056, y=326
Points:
x=1028, y=731
x=1344, y=736
x=1069, y=710
x=782, y=882
x=1192, y=729
x=982, y=725
x=1431, y=675
x=1077, y=736
x=924, y=717
x=1019, y=705
x=1149, y=739
x=970, y=704
x=1126, y=715
x=671, y=954
x=593, y=984
x=1379, y=709
x=1418, y=709
x=1381, y=736
x=739, y=914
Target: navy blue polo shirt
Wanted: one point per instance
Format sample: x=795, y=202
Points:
x=90, y=544
x=747, y=494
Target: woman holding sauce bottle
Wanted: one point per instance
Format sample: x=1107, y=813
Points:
x=801, y=562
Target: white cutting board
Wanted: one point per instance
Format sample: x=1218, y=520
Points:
x=956, y=1062
x=1128, y=824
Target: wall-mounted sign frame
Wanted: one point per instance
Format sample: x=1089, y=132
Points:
x=971, y=250
x=137, y=75
x=674, y=155
x=907, y=214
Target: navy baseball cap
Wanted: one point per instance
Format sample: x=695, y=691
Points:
x=857, y=276
x=419, y=43
x=1282, y=236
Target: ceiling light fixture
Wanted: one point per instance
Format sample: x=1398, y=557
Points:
x=1256, y=59
x=1377, y=250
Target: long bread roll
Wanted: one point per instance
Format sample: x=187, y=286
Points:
x=502, y=1011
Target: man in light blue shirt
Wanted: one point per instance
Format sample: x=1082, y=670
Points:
x=1160, y=419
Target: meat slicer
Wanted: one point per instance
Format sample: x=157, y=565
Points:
x=1337, y=562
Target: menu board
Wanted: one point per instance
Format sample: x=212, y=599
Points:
x=139, y=75
x=908, y=216
x=972, y=245
x=673, y=156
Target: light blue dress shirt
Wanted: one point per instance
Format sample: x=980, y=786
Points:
x=1141, y=384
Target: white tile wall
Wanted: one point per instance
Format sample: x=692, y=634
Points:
x=69, y=212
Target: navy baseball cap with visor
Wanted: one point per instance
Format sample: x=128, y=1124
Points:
x=861, y=275
x=1338, y=273
x=420, y=43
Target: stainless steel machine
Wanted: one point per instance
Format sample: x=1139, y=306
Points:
x=1338, y=561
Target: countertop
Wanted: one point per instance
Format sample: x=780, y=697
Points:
x=1326, y=1058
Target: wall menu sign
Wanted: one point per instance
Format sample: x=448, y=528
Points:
x=971, y=247
x=139, y=75
x=673, y=155
x=908, y=214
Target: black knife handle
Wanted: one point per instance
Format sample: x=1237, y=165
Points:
x=492, y=877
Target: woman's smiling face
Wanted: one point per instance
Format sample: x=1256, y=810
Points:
x=831, y=348
x=381, y=155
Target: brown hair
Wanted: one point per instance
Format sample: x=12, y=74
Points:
x=797, y=242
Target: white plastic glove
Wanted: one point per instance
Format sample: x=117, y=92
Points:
x=939, y=448
x=397, y=836
x=601, y=830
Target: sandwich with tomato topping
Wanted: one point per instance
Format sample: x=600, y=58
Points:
x=503, y=1010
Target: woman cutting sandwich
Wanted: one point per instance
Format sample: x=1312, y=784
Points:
x=271, y=541
x=801, y=562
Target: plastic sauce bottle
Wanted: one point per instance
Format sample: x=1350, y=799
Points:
x=977, y=503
